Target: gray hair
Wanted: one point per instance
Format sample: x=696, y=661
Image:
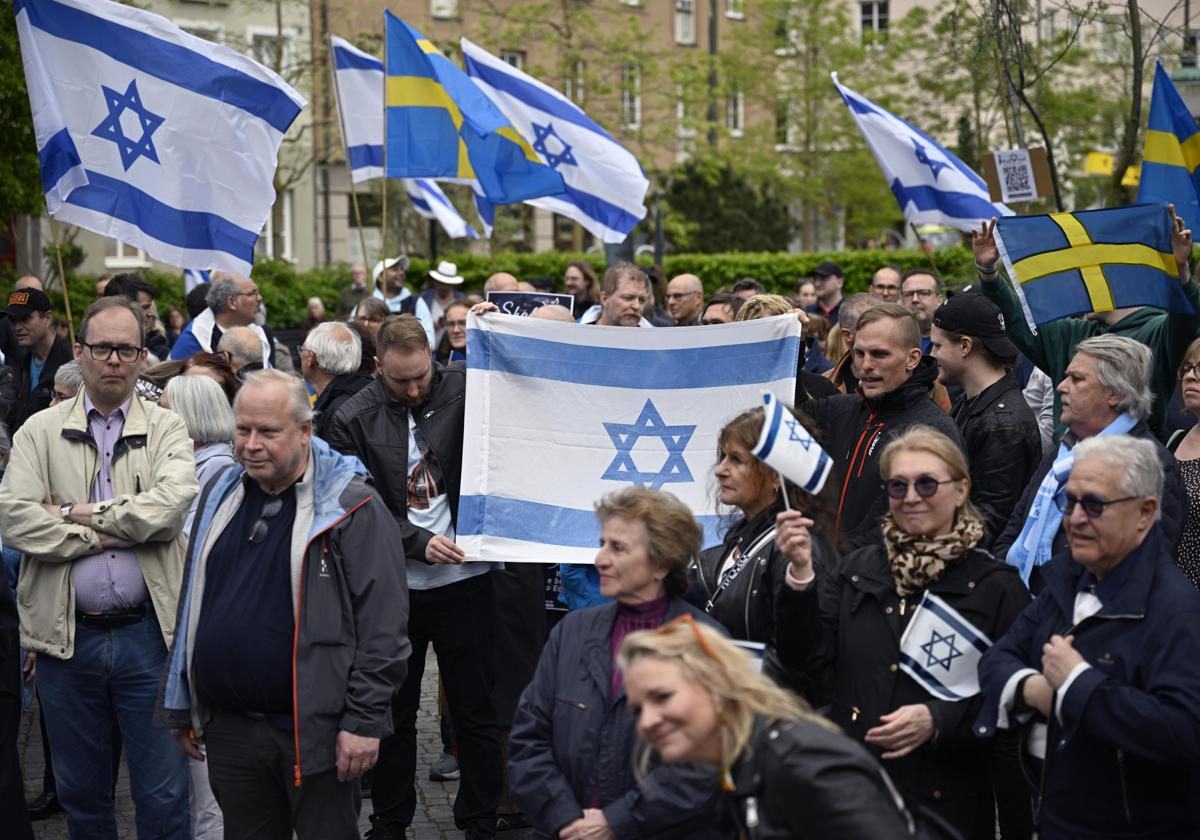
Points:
x=69, y=376
x=242, y=343
x=202, y=404
x=224, y=286
x=1123, y=367
x=853, y=307
x=297, y=393
x=336, y=348
x=5, y=444
x=1136, y=456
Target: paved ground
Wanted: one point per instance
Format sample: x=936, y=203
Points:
x=434, y=819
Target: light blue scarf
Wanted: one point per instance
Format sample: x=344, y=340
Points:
x=1034, y=545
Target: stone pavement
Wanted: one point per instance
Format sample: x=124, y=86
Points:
x=435, y=800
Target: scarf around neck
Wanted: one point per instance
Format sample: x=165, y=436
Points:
x=918, y=560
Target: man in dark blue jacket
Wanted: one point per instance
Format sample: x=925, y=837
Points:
x=1104, y=667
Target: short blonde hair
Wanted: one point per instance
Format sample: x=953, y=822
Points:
x=672, y=535
x=921, y=438
x=739, y=692
x=764, y=306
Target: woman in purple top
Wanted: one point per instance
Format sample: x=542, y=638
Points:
x=571, y=749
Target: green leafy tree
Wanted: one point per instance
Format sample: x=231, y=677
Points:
x=20, y=181
x=721, y=207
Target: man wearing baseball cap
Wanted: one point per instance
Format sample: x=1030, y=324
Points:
x=998, y=428
x=389, y=277
x=827, y=280
x=32, y=320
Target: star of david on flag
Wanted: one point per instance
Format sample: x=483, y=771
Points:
x=558, y=416
x=111, y=128
x=649, y=424
x=941, y=650
x=555, y=159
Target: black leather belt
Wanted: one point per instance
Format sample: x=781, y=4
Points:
x=114, y=618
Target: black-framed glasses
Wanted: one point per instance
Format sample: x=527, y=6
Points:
x=255, y=293
x=925, y=485
x=101, y=352
x=1185, y=369
x=1093, y=507
x=270, y=510
x=917, y=293
x=60, y=396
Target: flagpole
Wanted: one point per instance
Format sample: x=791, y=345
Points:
x=337, y=102
x=787, y=503
x=928, y=251
x=384, y=183
x=62, y=276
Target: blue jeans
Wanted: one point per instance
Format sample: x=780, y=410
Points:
x=113, y=677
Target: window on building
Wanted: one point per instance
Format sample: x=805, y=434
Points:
x=631, y=2
x=685, y=21
x=514, y=57
x=119, y=255
x=573, y=83
x=1050, y=25
x=735, y=113
x=271, y=48
x=631, y=97
x=443, y=8
x=785, y=125
x=265, y=246
x=735, y=9
x=873, y=15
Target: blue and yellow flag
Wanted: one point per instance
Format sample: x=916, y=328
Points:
x=1171, y=159
x=1092, y=261
x=440, y=125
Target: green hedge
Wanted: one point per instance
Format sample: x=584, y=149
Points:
x=286, y=291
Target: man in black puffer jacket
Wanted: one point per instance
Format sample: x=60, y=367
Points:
x=892, y=395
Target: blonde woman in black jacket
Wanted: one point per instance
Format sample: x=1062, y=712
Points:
x=785, y=773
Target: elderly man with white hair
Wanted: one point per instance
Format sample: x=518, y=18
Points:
x=1106, y=391
x=329, y=361
x=1104, y=666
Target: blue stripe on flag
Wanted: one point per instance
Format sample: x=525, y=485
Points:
x=933, y=684
x=344, y=59
x=960, y=205
x=516, y=519
x=818, y=473
x=57, y=158
x=433, y=193
x=363, y=156
x=776, y=419
x=533, y=96
x=420, y=203
x=582, y=364
x=190, y=229
x=964, y=630
x=607, y=214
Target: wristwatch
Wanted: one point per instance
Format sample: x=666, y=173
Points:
x=65, y=511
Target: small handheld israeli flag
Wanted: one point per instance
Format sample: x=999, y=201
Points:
x=786, y=447
x=941, y=650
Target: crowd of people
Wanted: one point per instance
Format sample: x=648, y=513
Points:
x=227, y=564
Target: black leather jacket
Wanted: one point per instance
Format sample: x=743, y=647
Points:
x=374, y=426
x=797, y=780
x=1003, y=447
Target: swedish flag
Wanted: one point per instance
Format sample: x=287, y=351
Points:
x=1171, y=159
x=1092, y=261
x=439, y=124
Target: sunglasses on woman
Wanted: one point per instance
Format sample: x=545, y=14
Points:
x=926, y=486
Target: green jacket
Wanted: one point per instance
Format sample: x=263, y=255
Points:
x=1167, y=334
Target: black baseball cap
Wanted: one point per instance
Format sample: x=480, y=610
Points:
x=827, y=269
x=970, y=313
x=23, y=302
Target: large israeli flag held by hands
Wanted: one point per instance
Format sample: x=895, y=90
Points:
x=605, y=187
x=150, y=135
x=930, y=184
x=559, y=415
x=941, y=650
x=358, y=85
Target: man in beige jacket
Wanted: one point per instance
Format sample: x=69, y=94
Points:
x=94, y=496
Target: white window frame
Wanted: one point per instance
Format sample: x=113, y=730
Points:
x=880, y=32
x=126, y=256
x=266, y=240
x=443, y=9
x=573, y=87
x=514, y=58
x=735, y=9
x=735, y=113
x=791, y=131
x=631, y=96
x=631, y=2
x=685, y=22
x=290, y=35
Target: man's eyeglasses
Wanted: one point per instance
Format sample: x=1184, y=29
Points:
x=60, y=396
x=270, y=510
x=917, y=293
x=253, y=293
x=686, y=619
x=101, y=352
x=1093, y=508
x=926, y=486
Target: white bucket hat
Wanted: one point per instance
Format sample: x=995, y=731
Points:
x=446, y=272
x=384, y=265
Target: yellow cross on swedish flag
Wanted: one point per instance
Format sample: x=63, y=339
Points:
x=1092, y=261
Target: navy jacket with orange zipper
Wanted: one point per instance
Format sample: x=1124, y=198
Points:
x=350, y=649
x=856, y=430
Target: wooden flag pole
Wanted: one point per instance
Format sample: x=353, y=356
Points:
x=384, y=181
x=62, y=276
x=928, y=251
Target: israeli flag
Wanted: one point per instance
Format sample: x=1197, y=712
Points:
x=605, y=185
x=785, y=446
x=931, y=185
x=193, y=277
x=559, y=415
x=358, y=90
x=150, y=135
x=429, y=201
x=941, y=650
